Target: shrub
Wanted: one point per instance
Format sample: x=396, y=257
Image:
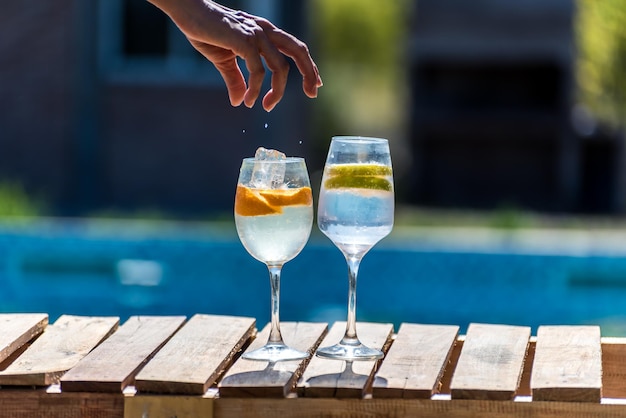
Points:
x=15, y=202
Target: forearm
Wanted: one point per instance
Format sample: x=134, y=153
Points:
x=194, y=17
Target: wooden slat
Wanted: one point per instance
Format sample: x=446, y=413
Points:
x=167, y=406
x=491, y=362
x=613, y=367
x=415, y=362
x=113, y=364
x=58, y=349
x=334, y=378
x=18, y=329
x=405, y=408
x=196, y=356
x=258, y=378
x=28, y=403
x=568, y=364
x=37, y=403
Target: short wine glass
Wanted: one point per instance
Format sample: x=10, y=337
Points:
x=356, y=210
x=273, y=217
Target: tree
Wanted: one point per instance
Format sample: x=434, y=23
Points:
x=601, y=69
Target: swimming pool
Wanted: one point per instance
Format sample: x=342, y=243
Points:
x=436, y=276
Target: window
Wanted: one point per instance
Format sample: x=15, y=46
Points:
x=144, y=30
x=139, y=44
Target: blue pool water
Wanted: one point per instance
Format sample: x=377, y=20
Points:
x=124, y=269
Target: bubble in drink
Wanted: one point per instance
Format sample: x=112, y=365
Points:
x=268, y=175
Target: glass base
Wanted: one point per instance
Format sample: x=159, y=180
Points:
x=274, y=353
x=349, y=352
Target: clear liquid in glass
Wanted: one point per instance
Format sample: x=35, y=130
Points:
x=355, y=211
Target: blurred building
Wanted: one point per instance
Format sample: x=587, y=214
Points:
x=104, y=104
x=492, y=98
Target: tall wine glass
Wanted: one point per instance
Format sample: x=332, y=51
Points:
x=356, y=207
x=273, y=216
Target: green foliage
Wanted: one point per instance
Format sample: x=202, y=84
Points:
x=364, y=32
x=508, y=217
x=15, y=202
x=359, y=46
x=601, y=69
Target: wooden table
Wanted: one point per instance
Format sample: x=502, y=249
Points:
x=166, y=366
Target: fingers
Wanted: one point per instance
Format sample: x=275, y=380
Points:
x=222, y=34
x=259, y=45
x=235, y=82
x=280, y=71
x=299, y=52
x=255, y=78
x=260, y=40
x=226, y=63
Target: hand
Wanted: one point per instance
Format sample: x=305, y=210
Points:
x=222, y=34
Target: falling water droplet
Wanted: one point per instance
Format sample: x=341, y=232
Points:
x=266, y=125
x=300, y=142
x=243, y=130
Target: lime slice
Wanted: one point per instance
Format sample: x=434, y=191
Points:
x=359, y=176
x=373, y=183
x=358, y=170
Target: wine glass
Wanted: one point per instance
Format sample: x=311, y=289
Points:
x=355, y=211
x=273, y=216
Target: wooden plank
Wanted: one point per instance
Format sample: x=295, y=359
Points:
x=18, y=329
x=258, y=378
x=613, y=367
x=415, y=362
x=167, y=406
x=568, y=364
x=113, y=364
x=334, y=378
x=59, y=348
x=38, y=403
x=26, y=403
x=405, y=408
x=491, y=362
x=29, y=403
x=196, y=356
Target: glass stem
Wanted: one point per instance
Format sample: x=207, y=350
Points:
x=275, y=335
x=350, y=337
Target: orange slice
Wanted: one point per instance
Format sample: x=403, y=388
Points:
x=258, y=202
x=250, y=203
x=288, y=197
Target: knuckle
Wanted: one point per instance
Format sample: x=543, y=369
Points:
x=283, y=67
x=302, y=47
x=258, y=72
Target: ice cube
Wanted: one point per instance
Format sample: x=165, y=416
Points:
x=268, y=176
x=268, y=154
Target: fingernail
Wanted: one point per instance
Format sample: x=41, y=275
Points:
x=246, y=100
x=269, y=107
